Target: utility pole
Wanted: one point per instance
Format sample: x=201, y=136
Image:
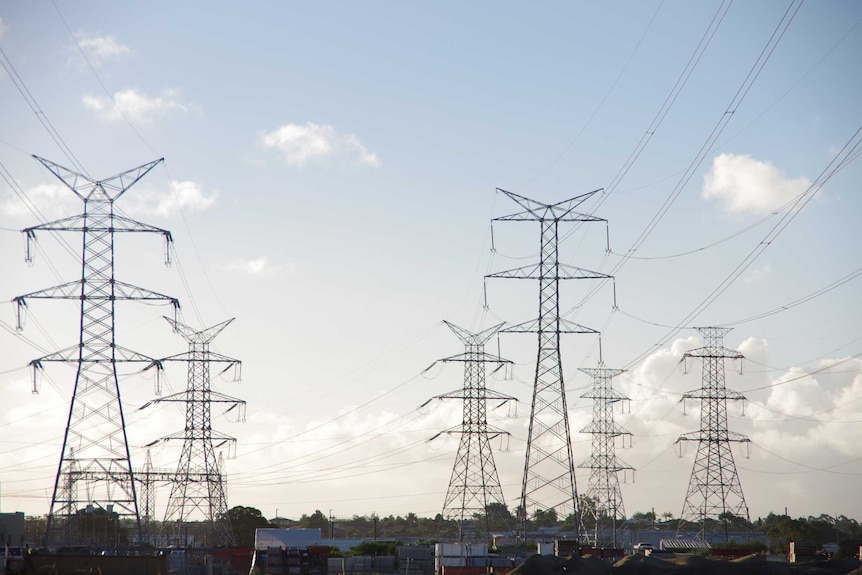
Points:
x=474, y=483
x=95, y=464
x=549, y=471
x=604, y=499
x=199, y=481
x=714, y=491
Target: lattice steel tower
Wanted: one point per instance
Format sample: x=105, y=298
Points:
x=474, y=483
x=549, y=471
x=198, y=486
x=604, y=512
x=95, y=469
x=714, y=491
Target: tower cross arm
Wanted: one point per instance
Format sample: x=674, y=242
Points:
x=460, y=394
x=209, y=357
x=480, y=357
x=713, y=352
x=561, y=211
x=70, y=354
x=491, y=432
x=118, y=184
x=702, y=436
x=706, y=393
x=564, y=326
x=126, y=291
x=470, y=338
x=69, y=290
x=536, y=271
x=192, y=335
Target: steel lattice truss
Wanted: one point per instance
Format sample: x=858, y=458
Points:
x=474, y=483
x=549, y=471
x=198, y=485
x=95, y=466
x=602, y=507
x=714, y=491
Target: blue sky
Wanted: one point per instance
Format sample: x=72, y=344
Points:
x=330, y=180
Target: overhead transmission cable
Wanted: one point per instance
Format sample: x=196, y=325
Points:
x=846, y=155
x=7, y=65
x=603, y=100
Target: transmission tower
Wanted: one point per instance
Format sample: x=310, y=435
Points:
x=603, y=502
x=95, y=467
x=199, y=484
x=474, y=484
x=549, y=471
x=714, y=491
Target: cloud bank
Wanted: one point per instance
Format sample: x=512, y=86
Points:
x=259, y=267
x=743, y=185
x=135, y=106
x=300, y=144
x=102, y=48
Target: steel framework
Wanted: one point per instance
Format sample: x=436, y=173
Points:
x=198, y=485
x=714, y=491
x=549, y=473
x=95, y=465
x=602, y=508
x=474, y=484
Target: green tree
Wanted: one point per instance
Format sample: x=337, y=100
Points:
x=498, y=517
x=644, y=517
x=244, y=521
x=316, y=519
x=101, y=527
x=373, y=549
x=545, y=518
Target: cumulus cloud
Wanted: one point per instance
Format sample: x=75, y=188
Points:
x=757, y=275
x=102, y=48
x=744, y=185
x=300, y=144
x=182, y=196
x=260, y=267
x=134, y=105
x=50, y=200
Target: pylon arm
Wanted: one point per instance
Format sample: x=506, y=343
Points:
x=711, y=394
x=611, y=464
x=460, y=394
x=476, y=357
x=71, y=354
x=192, y=335
x=469, y=338
x=606, y=428
x=72, y=290
x=78, y=182
x=714, y=352
x=534, y=272
x=77, y=224
x=561, y=211
x=491, y=432
x=182, y=397
x=607, y=395
x=565, y=326
x=211, y=358
x=706, y=437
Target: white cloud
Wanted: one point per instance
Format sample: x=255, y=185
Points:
x=300, y=144
x=102, y=48
x=134, y=105
x=259, y=266
x=51, y=200
x=757, y=275
x=183, y=195
x=2, y=28
x=745, y=185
